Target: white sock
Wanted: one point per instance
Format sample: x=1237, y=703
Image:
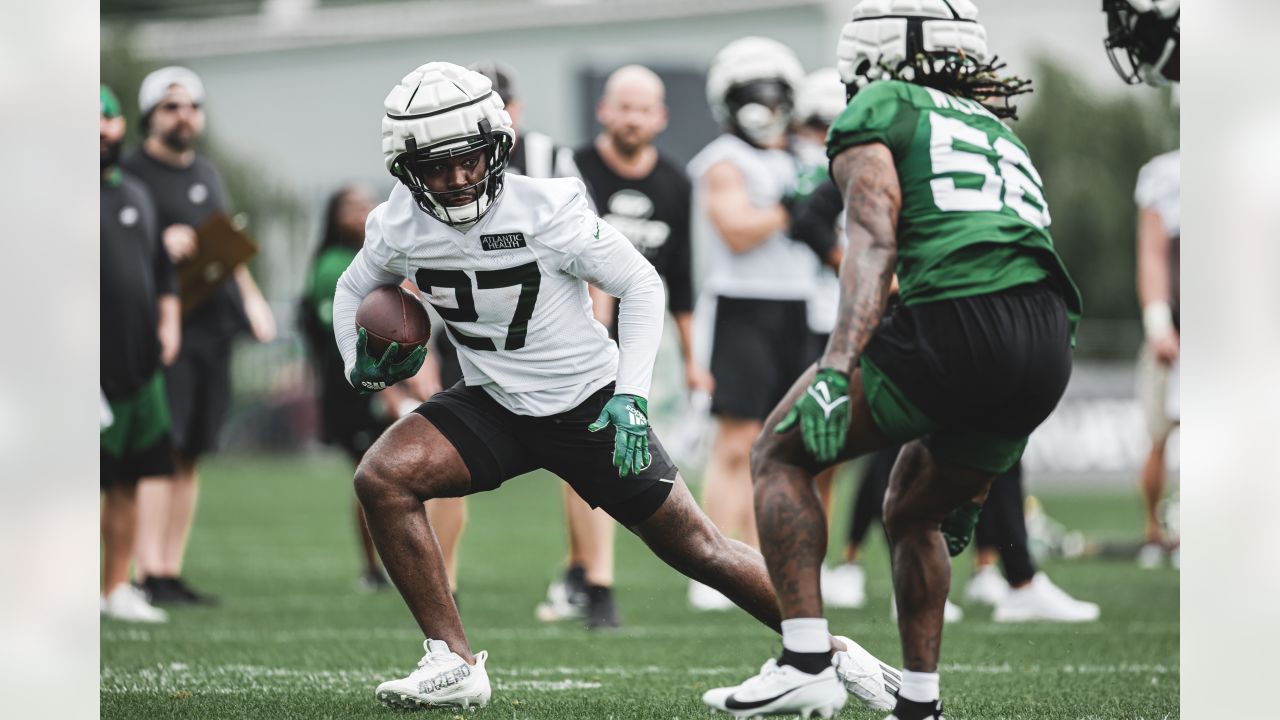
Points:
x=919, y=686
x=806, y=635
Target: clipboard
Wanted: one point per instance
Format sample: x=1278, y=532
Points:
x=220, y=247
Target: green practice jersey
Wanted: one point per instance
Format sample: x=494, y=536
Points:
x=974, y=219
x=324, y=281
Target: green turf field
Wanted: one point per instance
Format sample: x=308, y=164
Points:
x=293, y=639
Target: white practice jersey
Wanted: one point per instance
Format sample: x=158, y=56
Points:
x=1160, y=189
x=512, y=290
x=822, y=307
x=776, y=269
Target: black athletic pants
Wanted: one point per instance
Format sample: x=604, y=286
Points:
x=1002, y=525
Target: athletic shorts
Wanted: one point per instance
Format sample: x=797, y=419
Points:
x=1153, y=394
x=199, y=397
x=971, y=376
x=497, y=445
x=137, y=443
x=759, y=348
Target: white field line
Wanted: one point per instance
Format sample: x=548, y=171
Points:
x=238, y=679
x=113, y=633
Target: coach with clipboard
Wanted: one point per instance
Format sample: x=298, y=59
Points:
x=219, y=300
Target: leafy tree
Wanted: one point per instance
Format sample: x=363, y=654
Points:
x=1088, y=146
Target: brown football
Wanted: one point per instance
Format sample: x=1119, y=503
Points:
x=393, y=314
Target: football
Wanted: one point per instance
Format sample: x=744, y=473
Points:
x=393, y=314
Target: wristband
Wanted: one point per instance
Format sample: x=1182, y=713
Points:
x=1157, y=320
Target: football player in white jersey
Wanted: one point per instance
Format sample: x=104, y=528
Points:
x=506, y=260
x=754, y=280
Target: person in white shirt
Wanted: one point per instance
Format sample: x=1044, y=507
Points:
x=754, y=280
x=506, y=260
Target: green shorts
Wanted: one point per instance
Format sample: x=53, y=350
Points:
x=137, y=443
x=971, y=376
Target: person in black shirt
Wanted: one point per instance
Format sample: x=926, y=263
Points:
x=187, y=190
x=140, y=331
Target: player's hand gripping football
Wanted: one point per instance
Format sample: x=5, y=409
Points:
x=823, y=415
x=629, y=415
x=374, y=374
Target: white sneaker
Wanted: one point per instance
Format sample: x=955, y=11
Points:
x=987, y=587
x=1042, y=600
x=443, y=679
x=130, y=604
x=781, y=690
x=951, y=612
x=871, y=681
x=844, y=586
x=706, y=598
x=559, y=604
x=1150, y=556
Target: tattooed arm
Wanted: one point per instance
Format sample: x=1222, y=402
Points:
x=869, y=182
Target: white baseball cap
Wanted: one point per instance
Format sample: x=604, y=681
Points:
x=155, y=85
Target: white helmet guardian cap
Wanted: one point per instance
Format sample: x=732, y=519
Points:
x=442, y=110
x=751, y=86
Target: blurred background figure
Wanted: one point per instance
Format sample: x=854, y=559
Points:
x=348, y=420
x=1024, y=593
x=140, y=332
x=187, y=190
x=755, y=280
x=1158, y=196
x=645, y=195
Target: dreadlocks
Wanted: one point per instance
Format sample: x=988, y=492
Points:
x=959, y=74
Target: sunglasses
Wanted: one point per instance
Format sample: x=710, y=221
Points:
x=175, y=107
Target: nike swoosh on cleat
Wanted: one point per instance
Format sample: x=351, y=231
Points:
x=732, y=703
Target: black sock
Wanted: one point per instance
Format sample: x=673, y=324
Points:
x=912, y=710
x=576, y=578
x=597, y=593
x=812, y=663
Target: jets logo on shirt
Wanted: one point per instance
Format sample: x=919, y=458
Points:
x=198, y=193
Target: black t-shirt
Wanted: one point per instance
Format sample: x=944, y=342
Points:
x=135, y=272
x=653, y=213
x=188, y=196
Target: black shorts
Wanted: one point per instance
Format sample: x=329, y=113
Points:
x=973, y=376
x=497, y=445
x=758, y=350
x=199, y=384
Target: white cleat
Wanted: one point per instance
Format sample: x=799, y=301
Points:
x=1150, y=556
x=987, y=587
x=951, y=612
x=1044, y=601
x=443, y=679
x=559, y=604
x=781, y=690
x=844, y=586
x=871, y=681
x=706, y=598
x=130, y=604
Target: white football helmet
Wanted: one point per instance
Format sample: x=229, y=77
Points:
x=443, y=110
x=821, y=97
x=1146, y=32
x=751, y=86
x=886, y=38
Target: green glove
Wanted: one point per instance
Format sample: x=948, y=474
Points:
x=823, y=414
x=629, y=414
x=370, y=375
x=958, y=526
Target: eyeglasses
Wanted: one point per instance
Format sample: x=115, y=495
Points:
x=175, y=107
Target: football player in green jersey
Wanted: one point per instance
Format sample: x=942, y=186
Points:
x=939, y=190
